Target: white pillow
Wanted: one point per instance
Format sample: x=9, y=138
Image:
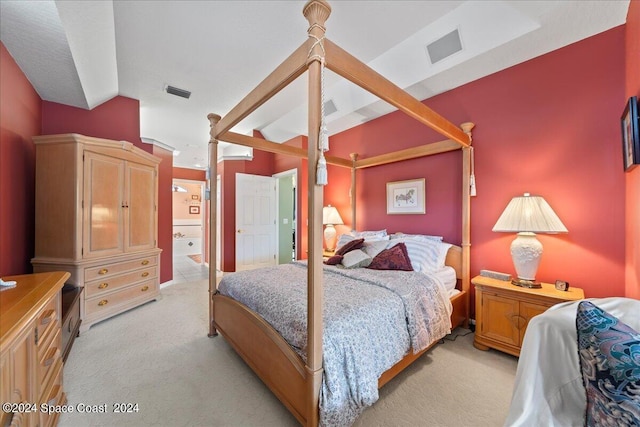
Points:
x=415, y=236
x=374, y=248
x=426, y=255
x=377, y=233
x=346, y=238
x=356, y=259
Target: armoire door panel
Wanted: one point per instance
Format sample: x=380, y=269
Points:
x=140, y=229
x=103, y=205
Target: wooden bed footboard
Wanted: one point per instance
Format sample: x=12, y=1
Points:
x=265, y=351
x=277, y=364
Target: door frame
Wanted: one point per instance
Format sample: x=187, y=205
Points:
x=291, y=172
x=203, y=217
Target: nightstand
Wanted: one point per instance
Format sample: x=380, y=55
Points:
x=503, y=311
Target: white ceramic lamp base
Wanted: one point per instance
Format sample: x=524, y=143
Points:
x=330, y=237
x=526, y=250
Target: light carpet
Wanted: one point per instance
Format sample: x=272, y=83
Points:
x=158, y=357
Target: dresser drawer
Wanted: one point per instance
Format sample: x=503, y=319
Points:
x=48, y=324
x=52, y=395
x=112, y=283
x=104, y=303
x=48, y=360
x=107, y=270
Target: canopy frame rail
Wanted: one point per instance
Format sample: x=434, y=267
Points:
x=313, y=55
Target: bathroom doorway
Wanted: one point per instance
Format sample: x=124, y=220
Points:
x=188, y=231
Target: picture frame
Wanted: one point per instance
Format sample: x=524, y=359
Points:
x=630, y=123
x=195, y=197
x=406, y=197
x=194, y=210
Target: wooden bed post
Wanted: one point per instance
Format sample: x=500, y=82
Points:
x=352, y=192
x=213, y=229
x=316, y=12
x=466, y=219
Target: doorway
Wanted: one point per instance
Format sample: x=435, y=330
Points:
x=188, y=231
x=287, y=196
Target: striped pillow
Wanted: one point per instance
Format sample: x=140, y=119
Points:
x=426, y=255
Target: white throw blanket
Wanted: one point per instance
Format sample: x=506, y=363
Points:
x=548, y=390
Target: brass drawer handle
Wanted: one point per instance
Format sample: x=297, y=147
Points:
x=145, y=274
x=48, y=317
x=145, y=288
x=145, y=262
x=55, y=391
x=103, y=271
x=103, y=302
x=52, y=355
x=103, y=285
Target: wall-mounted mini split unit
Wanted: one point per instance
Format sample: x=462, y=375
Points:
x=177, y=91
x=444, y=47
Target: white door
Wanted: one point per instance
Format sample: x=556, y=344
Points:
x=255, y=221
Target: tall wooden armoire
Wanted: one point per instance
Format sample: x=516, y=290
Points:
x=96, y=217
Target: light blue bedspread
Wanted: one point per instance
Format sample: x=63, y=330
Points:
x=372, y=318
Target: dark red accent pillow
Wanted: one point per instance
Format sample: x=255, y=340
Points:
x=395, y=258
x=349, y=246
x=334, y=260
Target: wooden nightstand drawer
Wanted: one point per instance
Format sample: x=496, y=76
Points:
x=503, y=311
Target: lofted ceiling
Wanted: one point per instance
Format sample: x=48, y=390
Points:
x=83, y=53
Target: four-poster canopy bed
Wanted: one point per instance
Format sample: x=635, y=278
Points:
x=295, y=380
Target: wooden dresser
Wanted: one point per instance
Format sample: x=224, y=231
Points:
x=503, y=311
x=96, y=217
x=30, y=349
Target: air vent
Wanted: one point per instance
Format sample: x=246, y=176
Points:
x=444, y=47
x=329, y=107
x=178, y=92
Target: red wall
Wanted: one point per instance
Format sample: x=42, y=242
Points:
x=118, y=119
x=262, y=164
x=165, y=212
x=549, y=126
x=191, y=174
x=632, y=178
x=20, y=119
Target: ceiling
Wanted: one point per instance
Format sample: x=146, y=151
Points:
x=83, y=53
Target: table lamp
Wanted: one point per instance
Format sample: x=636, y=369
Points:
x=330, y=217
x=527, y=215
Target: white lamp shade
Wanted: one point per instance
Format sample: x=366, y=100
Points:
x=330, y=215
x=529, y=213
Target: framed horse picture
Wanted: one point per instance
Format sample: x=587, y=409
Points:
x=406, y=197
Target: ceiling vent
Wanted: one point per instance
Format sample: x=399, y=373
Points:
x=444, y=47
x=330, y=107
x=178, y=92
